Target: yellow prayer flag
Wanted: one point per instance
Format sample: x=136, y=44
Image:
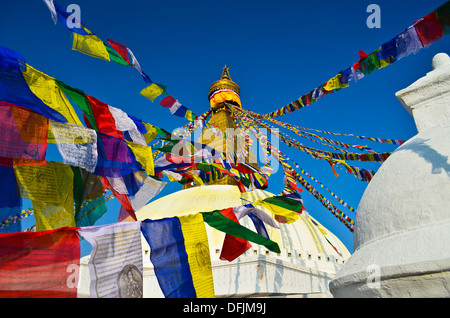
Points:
x=51, y=216
x=90, y=45
x=322, y=230
x=144, y=156
x=50, y=187
x=197, y=249
x=151, y=132
x=47, y=90
x=196, y=178
x=38, y=182
x=289, y=215
x=335, y=83
x=152, y=91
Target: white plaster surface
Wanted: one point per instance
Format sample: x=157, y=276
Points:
x=403, y=220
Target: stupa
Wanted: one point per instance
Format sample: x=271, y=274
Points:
x=402, y=227
x=307, y=262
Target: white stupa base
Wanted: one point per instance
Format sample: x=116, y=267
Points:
x=401, y=274
x=402, y=227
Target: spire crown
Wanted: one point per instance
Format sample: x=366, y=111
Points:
x=224, y=82
x=225, y=74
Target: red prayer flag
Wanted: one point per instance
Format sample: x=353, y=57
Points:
x=362, y=56
x=121, y=49
x=124, y=201
x=233, y=246
x=167, y=102
x=103, y=118
x=23, y=133
x=40, y=264
x=429, y=29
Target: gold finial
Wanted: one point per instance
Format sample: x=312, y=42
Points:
x=225, y=73
x=225, y=82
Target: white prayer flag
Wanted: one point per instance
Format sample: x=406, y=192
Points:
x=242, y=211
x=125, y=123
x=115, y=264
x=77, y=144
x=51, y=7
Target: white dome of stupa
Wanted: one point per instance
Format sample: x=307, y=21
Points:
x=306, y=264
x=402, y=227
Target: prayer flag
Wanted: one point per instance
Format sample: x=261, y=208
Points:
x=23, y=133
x=429, y=29
x=335, y=83
x=289, y=206
x=38, y=183
x=148, y=189
x=91, y=211
x=63, y=18
x=114, y=56
x=76, y=144
x=180, y=256
x=244, y=210
x=218, y=221
x=115, y=265
x=153, y=91
x=408, y=42
x=178, y=109
x=50, y=187
x=103, y=118
x=78, y=97
x=388, y=49
x=137, y=66
x=46, y=89
x=10, y=201
x=144, y=155
x=121, y=49
x=14, y=89
x=90, y=45
x=52, y=9
x=167, y=102
x=114, y=157
x=151, y=133
x=125, y=123
x=39, y=264
x=123, y=199
x=89, y=197
x=443, y=15
x=190, y=115
x=233, y=246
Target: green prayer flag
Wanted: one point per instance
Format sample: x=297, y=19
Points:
x=285, y=201
x=220, y=222
x=78, y=188
x=167, y=148
x=443, y=15
x=79, y=98
x=115, y=57
x=163, y=133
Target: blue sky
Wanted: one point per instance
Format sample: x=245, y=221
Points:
x=276, y=52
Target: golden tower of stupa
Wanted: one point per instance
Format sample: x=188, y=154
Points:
x=221, y=94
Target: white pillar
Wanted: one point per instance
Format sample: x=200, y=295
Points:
x=402, y=227
x=428, y=99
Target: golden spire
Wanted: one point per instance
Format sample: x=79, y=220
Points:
x=225, y=82
x=225, y=73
